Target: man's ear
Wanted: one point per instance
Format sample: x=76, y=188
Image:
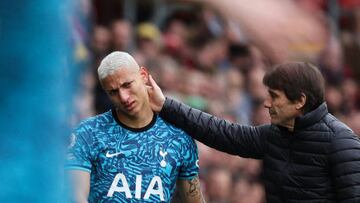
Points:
x=144, y=74
x=301, y=102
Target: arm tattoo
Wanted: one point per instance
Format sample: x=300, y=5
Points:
x=194, y=187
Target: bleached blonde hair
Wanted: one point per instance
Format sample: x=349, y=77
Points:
x=115, y=61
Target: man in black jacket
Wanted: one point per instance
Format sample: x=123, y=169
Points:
x=308, y=155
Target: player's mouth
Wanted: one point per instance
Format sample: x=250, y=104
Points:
x=130, y=106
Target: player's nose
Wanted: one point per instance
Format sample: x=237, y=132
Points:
x=124, y=96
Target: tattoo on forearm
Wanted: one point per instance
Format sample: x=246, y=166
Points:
x=194, y=188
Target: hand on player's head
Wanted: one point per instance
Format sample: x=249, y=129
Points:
x=156, y=97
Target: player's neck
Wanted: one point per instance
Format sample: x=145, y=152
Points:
x=142, y=119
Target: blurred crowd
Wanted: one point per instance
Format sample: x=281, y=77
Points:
x=215, y=60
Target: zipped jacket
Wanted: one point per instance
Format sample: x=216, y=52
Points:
x=319, y=161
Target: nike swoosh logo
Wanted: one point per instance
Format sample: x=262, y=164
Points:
x=108, y=155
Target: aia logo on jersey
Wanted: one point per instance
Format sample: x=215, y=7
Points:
x=154, y=188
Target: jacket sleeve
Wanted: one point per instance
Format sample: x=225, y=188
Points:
x=345, y=167
x=245, y=141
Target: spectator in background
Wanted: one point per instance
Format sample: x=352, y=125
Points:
x=350, y=37
x=122, y=32
x=101, y=42
x=330, y=62
x=149, y=43
x=238, y=99
x=218, y=185
x=101, y=46
x=240, y=57
x=351, y=94
x=335, y=100
x=176, y=37
x=245, y=191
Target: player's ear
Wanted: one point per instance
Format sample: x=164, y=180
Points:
x=144, y=73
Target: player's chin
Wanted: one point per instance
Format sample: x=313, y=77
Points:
x=126, y=111
x=133, y=111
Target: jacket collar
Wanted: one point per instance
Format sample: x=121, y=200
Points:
x=311, y=117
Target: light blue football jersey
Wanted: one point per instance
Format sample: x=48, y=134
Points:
x=131, y=165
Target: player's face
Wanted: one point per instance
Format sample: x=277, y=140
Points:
x=127, y=90
x=282, y=111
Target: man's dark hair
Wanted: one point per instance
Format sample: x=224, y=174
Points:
x=295, y=79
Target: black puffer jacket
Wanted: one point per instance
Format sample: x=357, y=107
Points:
x=318, y=162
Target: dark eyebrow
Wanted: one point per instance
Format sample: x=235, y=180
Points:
x=272, y=92
x=111, y=90
x=127, y=83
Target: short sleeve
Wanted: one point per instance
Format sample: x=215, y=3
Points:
x=190, y=165
x=78, y=153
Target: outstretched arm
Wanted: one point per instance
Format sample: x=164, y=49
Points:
x=190, y=190
x=242, y=140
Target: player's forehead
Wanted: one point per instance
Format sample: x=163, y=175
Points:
x=119, y=77
x=123, y=72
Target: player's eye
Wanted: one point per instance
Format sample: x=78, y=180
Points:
x=113, y=92
x=127, y=84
